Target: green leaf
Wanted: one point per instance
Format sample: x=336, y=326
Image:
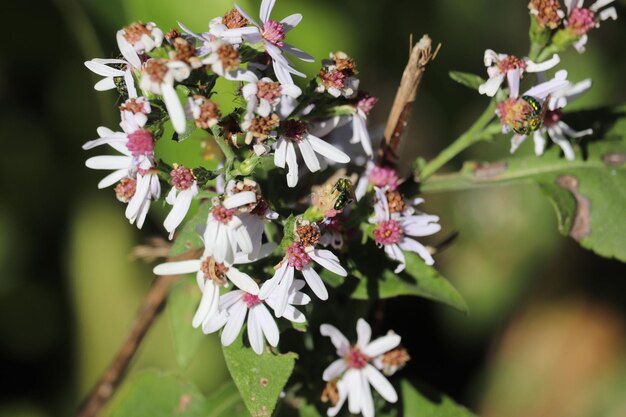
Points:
x=370, y=279
x=422, y=401
x=259, y=378
x=225, y=402
x=468, y=80
x=188, y=238
x=181, y=306
x=153, y=394
x=589, y=193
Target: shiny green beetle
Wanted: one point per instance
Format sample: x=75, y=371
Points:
x=535, y=117
x=346, y=194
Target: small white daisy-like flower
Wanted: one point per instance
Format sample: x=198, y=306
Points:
x=223, y=57
x=148, y=189
x=235, y=306
x=111, y=69
x=136, y=147
x=134, y=113
x=360, y=134
x=225, y=231
x=271, y=33
x=300, y=257
x=337, y=76
x=211, y=275
x=203, y=111
x=353, y=371
x=397, y=224
x=138, y=38
x=295, y=133
x=158, y=76
x=580, y=20
x=184, y=189
x=218, y=30
x=501, y=66
x=264, y=96
x=557, y=130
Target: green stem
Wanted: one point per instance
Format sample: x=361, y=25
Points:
x=473, y=135
x=229, y=155
x=547, y=53
x=535, y=51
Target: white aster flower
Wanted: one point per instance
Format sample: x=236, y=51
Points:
x=354, y=373
x=134, y=113
x=264, y=95
x=136, y=147
x=337, y=76
x=397, y=224
x=111, y=69
x=218, y=30
x=295, y=133
x=184, y=189
x=158, y=76
x=236, y=305
x=138, y=38
x=223, y=57
x=580, y=20
x=148, y=189
x=271, y=33
x=557, y=130
x=501, y=66
x=203, y=111
x=225, y=231
x=360, y=134
x=210, y=276
x=300, y=257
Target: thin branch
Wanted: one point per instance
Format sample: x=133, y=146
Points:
x=420, y=56
x=152, y=305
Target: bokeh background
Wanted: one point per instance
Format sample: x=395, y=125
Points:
x=546, y=332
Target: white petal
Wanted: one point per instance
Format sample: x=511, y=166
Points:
x=255, y=334
x=178, y=267
x=104, y=70
x=179, y=210
x=298, y=53
x=268, y=325
x=343, y=394
x=127, y=50
x=208, y=304
x=242, y=281
x=491, y=86
x=174, y=108
x=355, y=390
x=328, y=150
x=239, y=199
x=513, y=77
x=112, y=178
x=382, y=344
x=315, y=282
x=367, y=402
x=364, y=333
x=214, y=323
x=381, y=384
x=270, y=285
x=412, y=245
x=308, y=154
x=329, y=261
x=334, y=370
x=543, y=66
x=292, y=166
x=105, y=84
x=266, y=10
x=236, y=317
x=282, y=293
x=336, y=337
x=280, y=155
x=291, y=21
x=108, y=162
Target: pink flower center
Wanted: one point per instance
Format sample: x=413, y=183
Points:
x=382, y=176
x=182, y=178
x=274, y=32
x=269, y=91
x=297, y=257
x=251, y=300
x=140, y=143
x=332, y=78
x=514, y=112
x=366, y=102
x=356, y=359
x=125, y=189
x=510, y=63
x=222, y=214
x=552, y=117
x=388, y=232
x=294, y=130
x=581, y=20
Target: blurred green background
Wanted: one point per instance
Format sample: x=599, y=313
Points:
x=546, y=332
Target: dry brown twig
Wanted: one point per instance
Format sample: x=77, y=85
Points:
x=420, y=55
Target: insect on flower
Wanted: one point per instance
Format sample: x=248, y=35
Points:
x=534, y=118
x=346, y=193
